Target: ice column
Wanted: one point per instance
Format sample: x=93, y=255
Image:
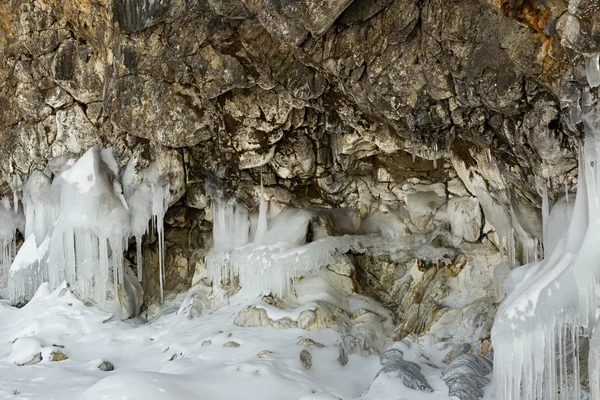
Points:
x=554, y=302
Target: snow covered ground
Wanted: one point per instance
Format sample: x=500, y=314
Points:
x=177, y=358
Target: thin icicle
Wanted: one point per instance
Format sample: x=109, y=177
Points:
x=138, y=256
x=435, y=151
x=545, y=215
x=261, y=227
x=488, y=156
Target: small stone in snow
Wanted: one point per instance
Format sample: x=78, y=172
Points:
x=206, y=343
x=106, y=366
x=310, y=342
x=343, y=358
x=58, y=356
x=264, y=353
x=306, y=359
x=34, y=360
x=231, y=344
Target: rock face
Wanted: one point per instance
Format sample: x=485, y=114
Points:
x=393, y=117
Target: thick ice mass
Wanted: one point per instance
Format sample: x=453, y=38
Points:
x=9, y=222
x=552, y=304
x=78, y=225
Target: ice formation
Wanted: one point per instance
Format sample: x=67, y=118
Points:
x=553, y=303
x=138, y=188
x=279, y=252
x=9, y=222
x=79, y=224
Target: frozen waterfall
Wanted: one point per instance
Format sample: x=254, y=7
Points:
x=78, y=226
x=553, y=305
x=10, y=221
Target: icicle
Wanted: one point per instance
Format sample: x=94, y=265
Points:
x=261, y=227
x=423, y=152
x=566, y=192
x=138, y=256
x=545, y=215
x=488, y=157
x=435, y=150
x=159, y=208
x=413, y=150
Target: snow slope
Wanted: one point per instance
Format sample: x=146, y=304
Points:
x=172, y=358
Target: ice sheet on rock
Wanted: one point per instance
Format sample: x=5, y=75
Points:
x=90, y=233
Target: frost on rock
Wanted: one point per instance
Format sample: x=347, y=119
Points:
x=78, y=226
x=554, y=302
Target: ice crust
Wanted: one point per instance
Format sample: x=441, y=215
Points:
x=78, y=225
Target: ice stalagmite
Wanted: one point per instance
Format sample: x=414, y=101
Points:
x=553, y=303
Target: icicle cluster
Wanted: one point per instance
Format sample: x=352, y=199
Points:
x=279, y=252
x=552, y=304
x=9, y=222
x=79, y=224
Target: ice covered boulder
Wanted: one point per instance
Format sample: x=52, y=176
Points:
x=77, y=229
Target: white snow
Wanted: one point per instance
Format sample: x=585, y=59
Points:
x=166, y=359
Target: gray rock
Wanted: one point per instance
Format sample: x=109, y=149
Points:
x=106, y=366
x=34, y=360
x=306, y=359
x=309, y=342
x=410, y=373
x=466, y=376
x=343, y=357
x=231, y=343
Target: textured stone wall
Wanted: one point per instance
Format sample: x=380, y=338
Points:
x=327, y=101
